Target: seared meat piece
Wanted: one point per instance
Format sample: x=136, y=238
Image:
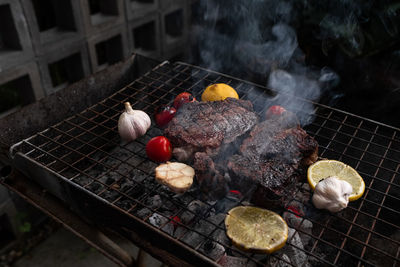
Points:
x=271, y=159
x=273, y=180
x=206, y=126
x=278, y=139
x=211, y=182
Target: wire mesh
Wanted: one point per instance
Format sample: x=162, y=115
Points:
x=86, y=149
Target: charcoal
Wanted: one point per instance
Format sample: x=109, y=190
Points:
x=126, y=185
x=125, y=204
x=111, y=195
x=296, y=252
x=193, y=238
x=196, y=208
x=217, y=218
x=168, y=228
x=154, y=202
x=277, y=262
x=230, y=261
x=143, y=213
x=158, y=220
x=220, y=236
x=213, y=250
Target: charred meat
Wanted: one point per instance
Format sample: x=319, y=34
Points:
x=209, y=126
x=227, y=147
x=272, y=158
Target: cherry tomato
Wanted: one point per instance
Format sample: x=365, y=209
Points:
x=274, y=110
x=159, y=149
x=184, y=97
x=164, y=114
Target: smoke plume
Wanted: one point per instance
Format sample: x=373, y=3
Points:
x=254, y=38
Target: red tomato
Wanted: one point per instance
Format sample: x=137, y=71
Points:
x=184, y=97
x=164, y=114
x=159, y=149
x=274, y=110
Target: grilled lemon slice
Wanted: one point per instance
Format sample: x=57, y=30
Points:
x=255, y=229
x=218, y=91
x=325, y=168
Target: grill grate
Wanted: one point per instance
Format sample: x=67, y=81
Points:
x=86, y=150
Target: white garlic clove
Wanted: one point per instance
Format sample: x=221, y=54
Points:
x=133, y=123
x=332, y=194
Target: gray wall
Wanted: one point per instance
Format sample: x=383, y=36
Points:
x=44, y=49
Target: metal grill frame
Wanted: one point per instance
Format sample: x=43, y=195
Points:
x=89, y=136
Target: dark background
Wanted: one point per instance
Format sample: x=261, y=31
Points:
x=358, y=40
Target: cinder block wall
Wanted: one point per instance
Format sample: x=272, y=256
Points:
x=47, y=44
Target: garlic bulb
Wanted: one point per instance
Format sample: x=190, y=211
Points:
x=332, y=194
x=133, y=123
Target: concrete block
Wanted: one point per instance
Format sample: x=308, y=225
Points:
x=23, y=79
x=136, y=9
x=15, y=42
x=64, y=65
x=174, y=28
x=107, y=48
x=101, y=15
x=145, y=36
x=50, y=25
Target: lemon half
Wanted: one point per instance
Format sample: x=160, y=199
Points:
x=325, y=168
x=255, y=229
x=218, y=91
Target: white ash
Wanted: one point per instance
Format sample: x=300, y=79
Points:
x=157, y=220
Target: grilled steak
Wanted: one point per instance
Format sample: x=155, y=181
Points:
x=209, y=126
x=280, y=138
x=227, y=147
x=271, y=158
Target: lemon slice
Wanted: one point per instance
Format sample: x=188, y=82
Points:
x=218, y=91
x=255, y=229
x=325, y=168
